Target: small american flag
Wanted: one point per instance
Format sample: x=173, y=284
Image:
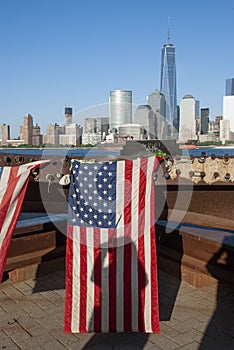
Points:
x=111, y=268
x=13, y=186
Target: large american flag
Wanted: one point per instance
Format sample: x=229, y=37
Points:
x=13, y=186
x=111, y=267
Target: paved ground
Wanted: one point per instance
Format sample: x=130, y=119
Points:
x=31, y=317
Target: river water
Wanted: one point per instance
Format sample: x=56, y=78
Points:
x=218, y=151
x=94, y=151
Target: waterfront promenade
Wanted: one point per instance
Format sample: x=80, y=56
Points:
x=31, y=317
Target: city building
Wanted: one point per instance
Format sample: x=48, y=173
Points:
x=5, y=134
x=187, y=130
x=52, y=134
x=156, y=100
x=207, y=138
x=229, y=91
x=132, y=131
x=228, y=102
x=214, y=127
x=102, y=126
x=36, y=136
x=27, y=129
x=95, y=130
x=91, y=138
x=120, y=108
x=90, y=125
x=145, y=116
x=224, y=130
x=198, y=117
x=205, y=112
x=68, y=115
x=72, y=135
x=168, y=87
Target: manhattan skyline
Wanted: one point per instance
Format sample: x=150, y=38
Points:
x=57, y=54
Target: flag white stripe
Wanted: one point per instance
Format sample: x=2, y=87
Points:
x=75, y=321
x=134, y=256
x=120, y=194
x=147, y=241
x=4, y=181
x=90, y=280
x=135, y=198
x=105, y=280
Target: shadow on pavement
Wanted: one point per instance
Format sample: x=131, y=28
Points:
x=169, y=256
x=52, y=273
x=112, y=341
x=220, y=332
x=169, y=283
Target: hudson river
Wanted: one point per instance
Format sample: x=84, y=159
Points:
x=93, y=151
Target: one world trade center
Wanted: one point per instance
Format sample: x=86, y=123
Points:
x=168, y=87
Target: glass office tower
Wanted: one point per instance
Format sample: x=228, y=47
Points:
x=120, y=108
x=228, y=102
x=229, y=87
x=168, y=88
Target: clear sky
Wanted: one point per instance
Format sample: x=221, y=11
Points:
x=57, y=53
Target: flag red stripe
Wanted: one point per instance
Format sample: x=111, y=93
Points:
x=142, y=278
x=128, y=192
x=154, y=285
x=154, y=277
x=112, y=280
x=83, y=280
x=127, y=246
x=97, y=281
x=69, y=280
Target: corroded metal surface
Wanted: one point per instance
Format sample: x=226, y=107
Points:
x=211, y=170
x=209, y=181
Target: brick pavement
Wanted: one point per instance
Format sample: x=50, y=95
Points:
x=31, y=317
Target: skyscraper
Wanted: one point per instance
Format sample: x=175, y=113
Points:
x=102, y=125
x=68, y=115
x=120, y=104
x=156, y=100
x=28, y=128
x=146, y=116
x=36, y=135
x=168, y=86
x=205, y=112
x=187, y=130
x=228, y=102
x=90, y=125
x=5, y=131
x=229, y=87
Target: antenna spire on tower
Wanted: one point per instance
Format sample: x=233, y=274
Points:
x=168, y=33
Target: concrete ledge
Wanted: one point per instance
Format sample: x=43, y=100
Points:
x=198, y=255
x=36, y=241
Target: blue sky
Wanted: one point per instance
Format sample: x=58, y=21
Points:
x=58, y=53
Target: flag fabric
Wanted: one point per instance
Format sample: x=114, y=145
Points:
x=13, y=186
x=111, y=264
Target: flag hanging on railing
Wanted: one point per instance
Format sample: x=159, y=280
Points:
x=13, y=186
x=111, y=265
